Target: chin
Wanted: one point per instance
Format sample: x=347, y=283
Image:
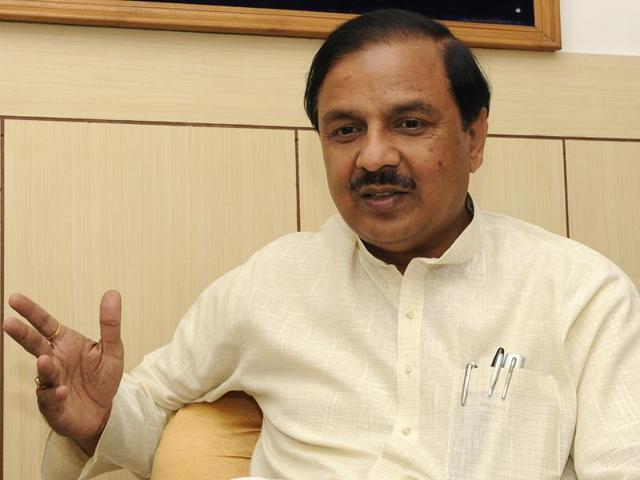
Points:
x=385, y=238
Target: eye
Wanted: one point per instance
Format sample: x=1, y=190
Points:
x=345, y=133
x=411, y=125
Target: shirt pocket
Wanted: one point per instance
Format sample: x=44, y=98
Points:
x=517, y=437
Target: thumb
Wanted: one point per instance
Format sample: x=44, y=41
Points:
x=110, y=313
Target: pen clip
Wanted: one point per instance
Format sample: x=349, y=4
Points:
x=465, y=384
x=514, y=361
x=498, y=361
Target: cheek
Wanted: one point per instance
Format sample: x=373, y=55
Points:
x=338, y=167
x=337, y=179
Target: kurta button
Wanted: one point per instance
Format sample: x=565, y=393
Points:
x=406, y=431
x=409, y=315
x=408, y=369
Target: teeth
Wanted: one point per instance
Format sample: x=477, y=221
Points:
x=381, y=194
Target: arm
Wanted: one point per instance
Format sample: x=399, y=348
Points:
x=606, y=339
x=198, y=364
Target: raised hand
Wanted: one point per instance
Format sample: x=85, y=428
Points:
x=77, y=377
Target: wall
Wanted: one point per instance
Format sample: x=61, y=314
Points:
x=594, y=26
x=153, y=162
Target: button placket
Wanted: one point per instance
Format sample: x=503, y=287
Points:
x=409, y=344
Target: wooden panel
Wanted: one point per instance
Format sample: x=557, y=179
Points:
x=316, y=204
x=108, y=73
x=523, y=178
x=155, y=211
x=563, y=94
x=520, y=177
x=603, y=199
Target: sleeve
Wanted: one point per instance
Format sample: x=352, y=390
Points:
x=607, y=436
x=199, y=364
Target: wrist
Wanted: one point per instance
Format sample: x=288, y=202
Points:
x=89, y=445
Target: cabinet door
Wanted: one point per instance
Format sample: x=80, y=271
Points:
x=524, y=178
x=603, y=199
x=157, y=212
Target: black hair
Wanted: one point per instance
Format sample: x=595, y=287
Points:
x=468, y=85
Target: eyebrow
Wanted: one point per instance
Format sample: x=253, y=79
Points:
x=411, y=106
x=415, y=106
x=339, y=114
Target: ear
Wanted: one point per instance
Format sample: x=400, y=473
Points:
x=477, y=132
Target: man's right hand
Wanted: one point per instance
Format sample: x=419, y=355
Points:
x=77, y=377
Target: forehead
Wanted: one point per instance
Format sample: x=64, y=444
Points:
x=385, y=73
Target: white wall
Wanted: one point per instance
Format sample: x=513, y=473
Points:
x=601, y=26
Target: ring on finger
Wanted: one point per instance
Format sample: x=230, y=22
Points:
x=39, y=385
x=53, y=336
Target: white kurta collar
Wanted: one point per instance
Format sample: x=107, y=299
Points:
x=461, y=251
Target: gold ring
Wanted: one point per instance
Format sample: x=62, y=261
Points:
x=53, y=336
x=38, y=383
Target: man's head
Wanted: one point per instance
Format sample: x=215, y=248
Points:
x=468, y=85
x=401, y=108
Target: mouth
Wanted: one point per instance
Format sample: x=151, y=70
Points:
x=381, y=192
x=382, y=200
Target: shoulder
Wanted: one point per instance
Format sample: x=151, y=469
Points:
x=561, y=271
x=557, y=259
x=301, y=253
x=526, y=240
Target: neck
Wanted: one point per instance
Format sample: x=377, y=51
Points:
x=434, y=248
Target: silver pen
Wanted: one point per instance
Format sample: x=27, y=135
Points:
x=514, y=360
x=465, y=384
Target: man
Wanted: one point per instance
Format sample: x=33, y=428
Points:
x=369, y=345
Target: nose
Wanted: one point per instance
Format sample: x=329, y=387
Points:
x=377, y=151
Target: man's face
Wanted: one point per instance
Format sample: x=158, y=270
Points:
x=396, y=155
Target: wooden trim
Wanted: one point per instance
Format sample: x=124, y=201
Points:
x=288, y=127
x=545, y=35
x=566, y=185
x=2, y=412
x=297, y=151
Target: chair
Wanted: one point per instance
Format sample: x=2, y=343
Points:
x=209, y=441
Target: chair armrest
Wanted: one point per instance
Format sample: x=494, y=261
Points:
x=209, y=441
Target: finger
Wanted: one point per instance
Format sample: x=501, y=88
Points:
x=110, y=314
x=49, y=375
x=34, y=313
x=27, y=337
x=51, y=400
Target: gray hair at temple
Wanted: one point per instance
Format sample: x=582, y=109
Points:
x=468, y=85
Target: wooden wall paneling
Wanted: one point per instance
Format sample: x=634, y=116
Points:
x=155, y=211
x=563, y=94
x=316, y=205
x=110, y=73
x=523, y=178
x=603, y=199
x=125, y=74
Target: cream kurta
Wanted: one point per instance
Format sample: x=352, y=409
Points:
x=359, y=369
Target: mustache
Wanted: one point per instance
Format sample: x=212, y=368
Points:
x=385, y=176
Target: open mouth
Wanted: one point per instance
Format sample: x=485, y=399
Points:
x=383, y=202
x=381, y=195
